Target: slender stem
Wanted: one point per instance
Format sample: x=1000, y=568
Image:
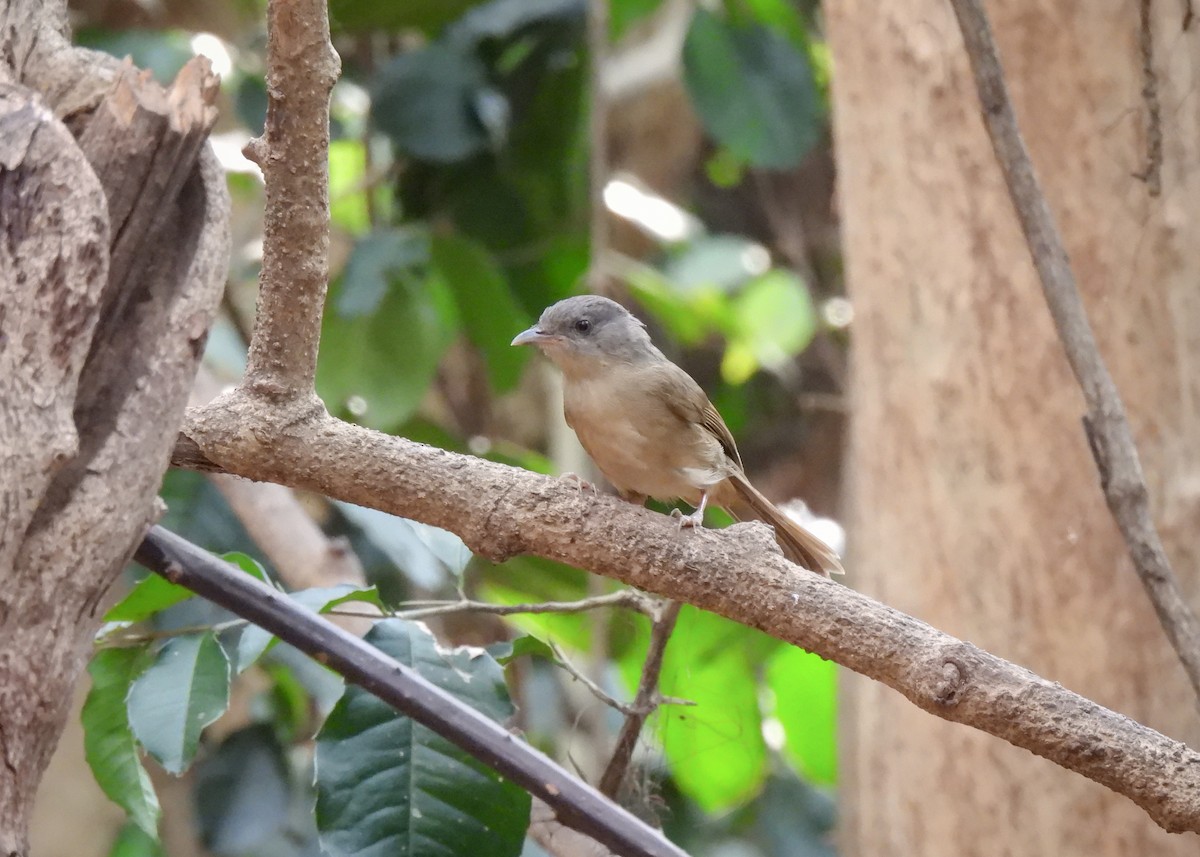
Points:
x=645, y=702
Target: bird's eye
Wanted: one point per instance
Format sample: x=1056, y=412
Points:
x=583, y=325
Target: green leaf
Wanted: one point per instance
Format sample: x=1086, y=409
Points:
x=184, y=690
x=347, y=191
x=378, y=261
x=426, y=100
x=247, y=564
x=753, y=89
x=132, y=841
x=148, y=596
x=486, y=306
x=429, y=16
x=715, y=749
x=242, y=792
x=108, y=742
x=526, y=579
x=805, y=689
x=379, y=366
x=386, y=785
x=255, y=641
x=774, y=319
x=509, y=650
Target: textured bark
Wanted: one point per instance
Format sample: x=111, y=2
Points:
x=99, y=340
x=500, y=511
x=965, y=406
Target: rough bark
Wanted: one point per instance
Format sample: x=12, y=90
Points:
x=99, y=341
x=965, y=406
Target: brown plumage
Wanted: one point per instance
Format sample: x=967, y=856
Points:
x=649, y=426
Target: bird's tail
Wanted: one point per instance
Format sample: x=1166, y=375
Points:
x=799, y=545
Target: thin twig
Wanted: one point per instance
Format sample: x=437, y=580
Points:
x=1151, y=174
x=1117, y=458
x=575, y=802
x=644, y=702
x=629, y=598
x=592, y=688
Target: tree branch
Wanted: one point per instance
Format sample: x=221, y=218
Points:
x=294, y=155
x=1111, y=437
x=644, y=702
x=501, y=511
x=574, y=802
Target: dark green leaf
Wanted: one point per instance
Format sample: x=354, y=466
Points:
x=242, y=792
x=490, y=314
x=504, y=19
x=753, y=89
x=108, y=742
x=386, y=785
x=429, y=16
x=378, y=261
x=425, y=101
x=428, y=556
x=184, y=690
x=380, y=366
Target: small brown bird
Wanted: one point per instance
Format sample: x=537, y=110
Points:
x=649, y=427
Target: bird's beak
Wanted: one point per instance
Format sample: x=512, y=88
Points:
x=533, y=336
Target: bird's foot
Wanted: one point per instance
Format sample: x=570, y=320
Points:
x=580, y=483
x=695, y=519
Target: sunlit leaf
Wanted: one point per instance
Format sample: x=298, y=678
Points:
x=108, y=742
x=715, y=749
x=805, y=689
x=148, y=596
x=775, y=320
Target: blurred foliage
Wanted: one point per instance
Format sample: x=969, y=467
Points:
x=460, y=208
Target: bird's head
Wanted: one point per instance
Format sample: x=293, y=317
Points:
x=587, y=333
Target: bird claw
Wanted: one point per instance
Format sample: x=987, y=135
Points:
x=694, y=520
x=580, y=483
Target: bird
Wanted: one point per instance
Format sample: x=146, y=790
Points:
x=648, y=425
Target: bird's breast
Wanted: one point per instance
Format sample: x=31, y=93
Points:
x=638, y=443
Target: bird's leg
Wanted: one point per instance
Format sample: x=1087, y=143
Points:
x=696, y=519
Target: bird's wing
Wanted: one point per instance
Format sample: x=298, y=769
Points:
x=688, y=402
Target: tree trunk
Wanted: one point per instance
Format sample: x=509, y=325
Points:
x=974, y=501
x=100, y=335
